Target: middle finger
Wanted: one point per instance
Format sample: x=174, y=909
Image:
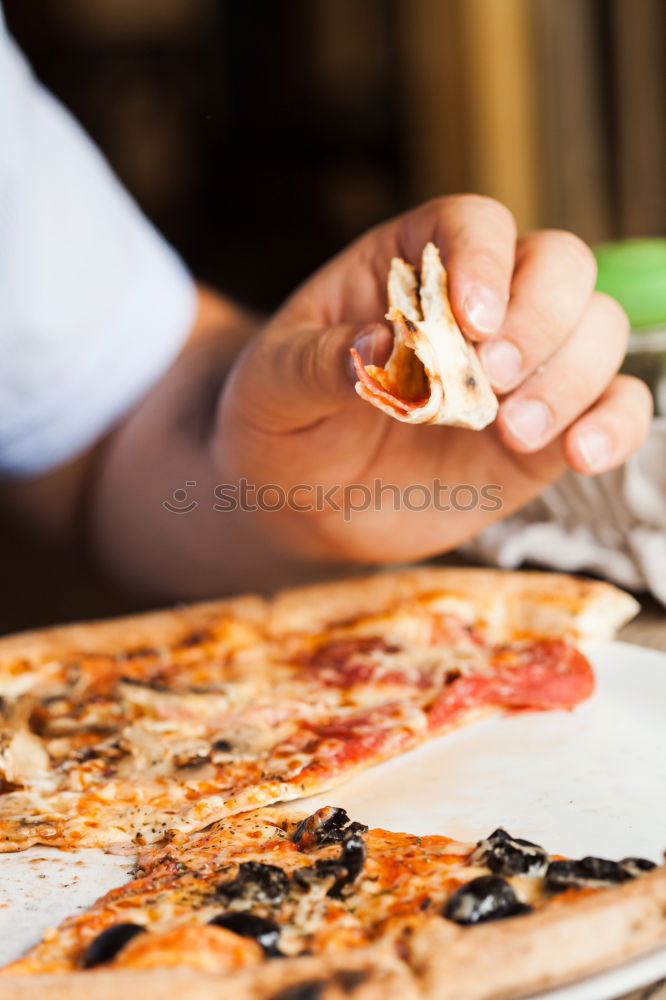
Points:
x=552, y=284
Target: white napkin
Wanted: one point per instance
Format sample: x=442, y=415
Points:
x=613, y=525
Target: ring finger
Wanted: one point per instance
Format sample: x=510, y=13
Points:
x=569, y=381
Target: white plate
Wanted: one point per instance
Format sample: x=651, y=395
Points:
x=585, y=782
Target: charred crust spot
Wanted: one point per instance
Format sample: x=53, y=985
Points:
x=193, y=760
x=349, y=980
x=140, y=653
x=470, y=382
x=197, y=638
x=140, y=682
x=308, y=989
x=410, y=326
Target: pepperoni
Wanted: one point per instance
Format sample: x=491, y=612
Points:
x=364, y=738
x=337, y=652
x=349, y=661
x=541, y=675
x=375, y=389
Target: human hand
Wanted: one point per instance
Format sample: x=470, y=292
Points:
x=551, y=346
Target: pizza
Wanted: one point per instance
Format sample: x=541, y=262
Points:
x=173, y=735
x=273, y=904
x=433, y=375
x=144, y=730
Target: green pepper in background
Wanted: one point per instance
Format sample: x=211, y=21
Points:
x=634, y=273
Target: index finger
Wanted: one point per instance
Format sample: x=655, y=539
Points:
x=477, y=239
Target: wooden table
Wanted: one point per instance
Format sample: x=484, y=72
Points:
x=649, y=628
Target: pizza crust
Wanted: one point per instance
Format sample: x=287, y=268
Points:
x=151, y=631
x=508, y=603
x=539, y=604
x=151, y=628
x=523, y=955
x=362, y=975
x=507, y=959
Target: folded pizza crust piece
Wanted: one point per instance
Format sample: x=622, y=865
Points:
x=433, y=375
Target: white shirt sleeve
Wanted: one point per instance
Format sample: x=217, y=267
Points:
x=94, y=305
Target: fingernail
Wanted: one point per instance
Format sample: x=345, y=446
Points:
x=528, y=420
x=374, y=345
x=483, y=309
x=502, y=361
x=365, y=344
x=596, y=448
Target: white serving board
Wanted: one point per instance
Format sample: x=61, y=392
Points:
x=592, y=781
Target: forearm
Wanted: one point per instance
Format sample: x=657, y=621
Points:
x=153, y=521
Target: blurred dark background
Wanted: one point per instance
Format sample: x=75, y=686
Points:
x=261, y=136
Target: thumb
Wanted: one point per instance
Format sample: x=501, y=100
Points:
x=305, y=375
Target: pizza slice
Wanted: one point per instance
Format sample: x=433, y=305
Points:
x=120, y=734
x=433, y=375
x=441, y=918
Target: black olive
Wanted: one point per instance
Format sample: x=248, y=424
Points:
x=325, y=826
x=343, y=870
x=486, y=898
x=255, y=880
x=588, y=873
x=306, y=877
x=352, y=858
x=636, y=866
x=507, y=855
x=107, y=944
x=262, y=930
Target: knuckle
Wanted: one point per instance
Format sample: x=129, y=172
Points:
x=574, y=249
x=489, y=267
x=543, y=331
x=581, y=385
x=640, y=393
x=612, y=312
x=488, y=209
